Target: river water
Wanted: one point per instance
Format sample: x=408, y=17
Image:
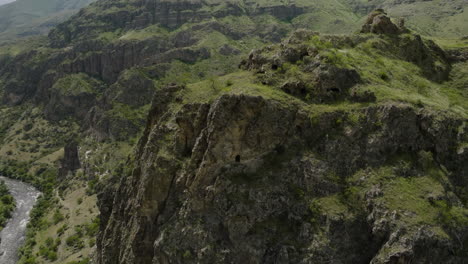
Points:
x=13, y=235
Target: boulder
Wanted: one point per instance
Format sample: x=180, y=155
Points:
x=333, y=82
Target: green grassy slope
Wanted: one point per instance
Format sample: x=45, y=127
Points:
x=387, y=70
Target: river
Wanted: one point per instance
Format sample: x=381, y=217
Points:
x=13, y=235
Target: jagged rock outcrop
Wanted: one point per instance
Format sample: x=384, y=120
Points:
x=132, y=88
x=104, y=124
x=458, y=55
x=322, y=81
x=70, y=161
x=379, y=23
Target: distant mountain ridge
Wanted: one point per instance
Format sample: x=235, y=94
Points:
x=3, y=2
x=445, y=18
x=24, y=18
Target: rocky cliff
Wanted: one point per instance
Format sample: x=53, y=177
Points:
x=263, y=143
x=263, y=184
x=309, y=155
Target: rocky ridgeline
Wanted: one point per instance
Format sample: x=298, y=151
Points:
x=321, y=77
x=168, y=13
x=46, y=75
x=325, y=82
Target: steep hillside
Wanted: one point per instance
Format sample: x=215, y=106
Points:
x=119, y=15
x=327, y=147
x=97, y=89
x=86, y=72
x=444, y=18
x=343, y=149
x=24, y=18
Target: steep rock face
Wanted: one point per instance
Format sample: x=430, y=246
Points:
x=70, y=161
x=102, y=125
x=132, y=88
x=23, y=73
x=241, y=180
x=71, y=96
x=61, y=106
x=277, y=179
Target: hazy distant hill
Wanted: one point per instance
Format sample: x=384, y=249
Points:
x=437, y=18
x=31, y=17
x=444, y=18
x=2, y=2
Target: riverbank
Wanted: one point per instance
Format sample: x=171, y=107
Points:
x=13, y=235
x=7, y=204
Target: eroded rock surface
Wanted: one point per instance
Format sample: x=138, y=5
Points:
x=243, y=182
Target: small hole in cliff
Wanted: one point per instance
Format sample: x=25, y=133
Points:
x=274, y=67
x=187, y=152
x=238, y=158
x=299, y=129
x=280, y=149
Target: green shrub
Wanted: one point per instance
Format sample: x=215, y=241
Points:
x=61, y=230
x=75, y=241
x=84, y=261
x=7, y=204
x=49, y=249
x=92, y=228
x=58, y=217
